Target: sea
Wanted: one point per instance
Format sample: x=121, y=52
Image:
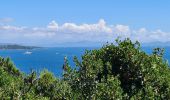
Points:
x=52, y=59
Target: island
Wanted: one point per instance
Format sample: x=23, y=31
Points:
x=16, y=46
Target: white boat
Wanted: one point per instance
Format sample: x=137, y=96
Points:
x=28, y=53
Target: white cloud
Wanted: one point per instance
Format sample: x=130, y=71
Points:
x=11, y=28
x=52, y=25
x=99, y=27
x=122, y=28
x=72, y=32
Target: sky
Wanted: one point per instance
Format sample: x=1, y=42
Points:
x=83, y=22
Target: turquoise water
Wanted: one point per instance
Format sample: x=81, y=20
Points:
x=51, y=58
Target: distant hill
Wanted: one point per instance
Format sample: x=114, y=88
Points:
x=79, y=44
x=156, y=44
x=100, y=44
x=15, y=46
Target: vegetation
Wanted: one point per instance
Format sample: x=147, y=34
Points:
x=114, y=72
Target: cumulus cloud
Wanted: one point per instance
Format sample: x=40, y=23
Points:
x=52, y=25
x=54, y=34
x=122, y=28
x=83, y=28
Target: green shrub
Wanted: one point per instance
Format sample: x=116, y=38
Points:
x=114, y=72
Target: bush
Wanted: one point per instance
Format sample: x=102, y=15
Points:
x=141, y=76
x=114, y=72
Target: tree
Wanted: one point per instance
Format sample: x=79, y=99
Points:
x=114, y=72
x=140, y=75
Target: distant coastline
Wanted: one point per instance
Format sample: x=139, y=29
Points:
x=16, y=46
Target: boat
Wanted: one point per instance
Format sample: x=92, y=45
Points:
x=28, y=53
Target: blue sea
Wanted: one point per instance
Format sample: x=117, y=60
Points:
x=52, y=59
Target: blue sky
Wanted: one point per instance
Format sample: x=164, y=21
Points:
x=128, y=17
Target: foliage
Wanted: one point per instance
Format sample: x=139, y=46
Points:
x=113, y=72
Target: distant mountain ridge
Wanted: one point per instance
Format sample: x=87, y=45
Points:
x=156, y=44
x=77, y=44
x=16, y=46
